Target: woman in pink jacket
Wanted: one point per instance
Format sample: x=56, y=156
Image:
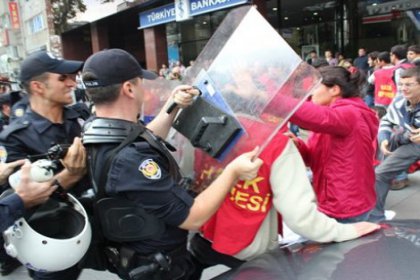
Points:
x=340, y=149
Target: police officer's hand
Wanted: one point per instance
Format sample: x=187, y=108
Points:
x=75, y=159
x=384, y=148
x=184, y=95
x=7, y=168
x=246, y=166
x=32, y=193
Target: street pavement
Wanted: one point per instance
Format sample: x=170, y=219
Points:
x=404, y=202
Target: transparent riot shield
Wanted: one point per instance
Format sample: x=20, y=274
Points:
x=156, y=92
x=249, y=74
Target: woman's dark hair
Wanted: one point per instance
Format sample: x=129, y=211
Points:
x=385, y=57
x=349, y=84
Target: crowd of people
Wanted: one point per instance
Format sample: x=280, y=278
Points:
x=175, y=71
x=355, y=150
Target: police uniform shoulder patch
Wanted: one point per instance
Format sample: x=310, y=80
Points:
x=150, y=169
x=3, y=154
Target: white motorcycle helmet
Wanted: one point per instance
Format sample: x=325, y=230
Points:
x=50, y=240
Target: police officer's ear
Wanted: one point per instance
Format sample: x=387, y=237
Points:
x=36, y=87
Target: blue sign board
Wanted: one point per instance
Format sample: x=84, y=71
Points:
x=167, y=14
x=160, y=15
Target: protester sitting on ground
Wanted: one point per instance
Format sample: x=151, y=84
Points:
x=280, y=192
x=398, y=137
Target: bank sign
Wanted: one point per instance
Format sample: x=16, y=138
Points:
x=168, y=13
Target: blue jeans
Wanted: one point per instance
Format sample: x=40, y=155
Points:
x=360, y=218
x=369, y=100
x=394, y=164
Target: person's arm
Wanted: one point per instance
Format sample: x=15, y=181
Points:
x=294, y=198
x=27, y=194
x=324, y=119
x=244, y=167
x=74, y=163
x=183, y=97
x=11, y=209
x=388, y=122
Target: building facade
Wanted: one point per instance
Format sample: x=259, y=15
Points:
x=160, y=31
x=164, y=31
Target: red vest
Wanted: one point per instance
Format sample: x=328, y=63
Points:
x=234, y=226
x=385, y=87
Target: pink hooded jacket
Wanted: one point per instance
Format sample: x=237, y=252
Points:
x=340, y=152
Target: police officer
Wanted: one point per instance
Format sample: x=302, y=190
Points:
x=27, y=193
x=143, y=172
x=5, y=110
x=49, y=82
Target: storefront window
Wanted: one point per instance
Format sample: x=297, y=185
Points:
x=387, y=23
x=306, y=24
x=345, y=25
x=187, y=39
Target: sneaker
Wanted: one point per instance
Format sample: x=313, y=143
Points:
x=8, y=266
x=399, y=185
x=389, y=215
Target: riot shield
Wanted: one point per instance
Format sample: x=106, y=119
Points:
x=250, y=73
x=251, y=77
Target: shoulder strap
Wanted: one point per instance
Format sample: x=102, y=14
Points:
x=136, y=131
x=162, y=146
x=133, y=134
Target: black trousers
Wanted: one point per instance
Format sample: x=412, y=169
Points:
x=206, y=256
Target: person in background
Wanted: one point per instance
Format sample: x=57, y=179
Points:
x=348, y=65
x=5, y=100
x=175, y=74
x=401, y=146
x=413, y=54
x=340, y=59
x=332, y=61
x=382, y=80
x=164, y=71
x=369, y=89
x=361, y=62
x=313, y=56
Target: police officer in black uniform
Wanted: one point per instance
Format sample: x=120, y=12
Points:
x=141, y=170
x=5, y=100
x=49, y=82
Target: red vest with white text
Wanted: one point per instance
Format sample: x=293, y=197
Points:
x=385, y=87
x=234, y=226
